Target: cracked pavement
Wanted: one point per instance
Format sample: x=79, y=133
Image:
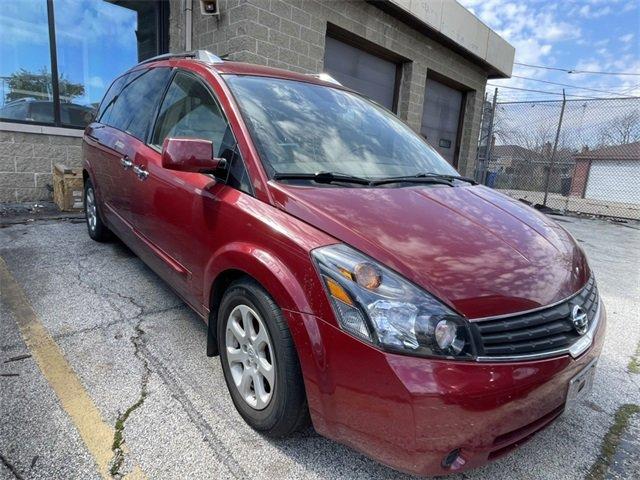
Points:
x=140, y=354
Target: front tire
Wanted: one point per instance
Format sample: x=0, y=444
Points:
x=260, y=362
x=98, y=231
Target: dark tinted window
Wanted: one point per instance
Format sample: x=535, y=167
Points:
x=132, y=110
x=237, y=176
x=109, y=97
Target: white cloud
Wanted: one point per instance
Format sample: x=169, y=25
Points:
x=95, y=82
x=586, y=11
x=627, y=38
x=560, y=34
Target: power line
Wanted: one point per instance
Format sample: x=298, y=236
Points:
x=576, y=71
x=542, y=91
x=630, y=89
x=571, y=86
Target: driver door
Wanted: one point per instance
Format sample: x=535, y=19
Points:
x=175, y=212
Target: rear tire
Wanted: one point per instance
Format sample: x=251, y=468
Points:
x=271, y=400
x=98, y=231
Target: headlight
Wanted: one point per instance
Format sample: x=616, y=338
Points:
x=379, y=306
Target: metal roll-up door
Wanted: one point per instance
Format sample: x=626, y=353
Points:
x=362, y=71
x=614, y=181
x=441, y=118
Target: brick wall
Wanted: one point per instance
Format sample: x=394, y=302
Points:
x=290, y=34
x=26, y=163
x=580, y=177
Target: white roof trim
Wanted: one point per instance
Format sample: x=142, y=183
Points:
x=41, y=129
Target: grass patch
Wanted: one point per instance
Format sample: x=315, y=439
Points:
x=634, y=363
x=611, y=441
x=118, y=438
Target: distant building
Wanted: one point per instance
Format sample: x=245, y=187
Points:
x=608, y=173
x=504, y=157
x=518, y=168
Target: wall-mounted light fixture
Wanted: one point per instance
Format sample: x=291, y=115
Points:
x=209, y=7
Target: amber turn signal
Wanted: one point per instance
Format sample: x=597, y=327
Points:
x=338, y=292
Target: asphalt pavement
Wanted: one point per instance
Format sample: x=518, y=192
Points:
x=137, y=354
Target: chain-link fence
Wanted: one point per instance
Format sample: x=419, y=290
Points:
x=580, y=156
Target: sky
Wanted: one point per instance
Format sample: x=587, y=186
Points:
x=594, y=35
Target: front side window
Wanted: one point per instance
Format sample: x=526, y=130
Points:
x=58, y=57
x=304, y=128
x=190, y=111
x=131, y=110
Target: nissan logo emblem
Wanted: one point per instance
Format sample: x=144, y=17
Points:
x=579, y=319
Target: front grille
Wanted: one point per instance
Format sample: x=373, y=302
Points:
x=536, y=332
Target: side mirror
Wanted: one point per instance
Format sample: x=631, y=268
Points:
x=190, y=155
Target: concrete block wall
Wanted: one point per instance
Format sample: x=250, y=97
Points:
x=290, y=34
x=26, y=164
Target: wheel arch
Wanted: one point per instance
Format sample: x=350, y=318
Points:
x=239, y=260
x=219, y=286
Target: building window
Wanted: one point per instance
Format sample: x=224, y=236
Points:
x=58, y=57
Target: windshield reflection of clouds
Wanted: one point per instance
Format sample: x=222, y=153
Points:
x=305, y=128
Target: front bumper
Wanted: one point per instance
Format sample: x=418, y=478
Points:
x=410, y=413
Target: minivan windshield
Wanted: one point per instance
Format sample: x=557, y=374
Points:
x=304, y=128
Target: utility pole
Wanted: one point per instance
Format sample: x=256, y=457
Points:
x=555, y=148
x=479, y=154
x=487, y=159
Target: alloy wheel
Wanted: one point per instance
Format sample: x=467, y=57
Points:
x=92, y=214
x=250, y=356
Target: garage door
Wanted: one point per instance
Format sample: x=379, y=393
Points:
x=614, y=181
x=441, y=118
x=368, y=74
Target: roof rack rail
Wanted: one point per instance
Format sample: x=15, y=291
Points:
x=202, y=55
x=325, y=77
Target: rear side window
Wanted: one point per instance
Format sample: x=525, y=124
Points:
x=110, y=96
x=132, y=108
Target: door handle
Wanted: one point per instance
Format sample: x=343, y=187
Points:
x=140, y=172
x=126, y=163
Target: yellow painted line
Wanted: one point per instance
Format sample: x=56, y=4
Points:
x=96, y=434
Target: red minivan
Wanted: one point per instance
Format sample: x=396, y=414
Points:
x=349, y=276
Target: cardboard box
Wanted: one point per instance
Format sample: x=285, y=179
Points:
x=68, y=188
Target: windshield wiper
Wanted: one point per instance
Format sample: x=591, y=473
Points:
x=425, y=178
x=323, y=177
x=331, y=177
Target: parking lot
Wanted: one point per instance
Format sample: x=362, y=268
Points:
x=121, y=357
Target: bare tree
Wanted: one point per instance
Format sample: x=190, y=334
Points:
x=622, y=129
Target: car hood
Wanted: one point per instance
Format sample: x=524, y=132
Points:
x=477, y=250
